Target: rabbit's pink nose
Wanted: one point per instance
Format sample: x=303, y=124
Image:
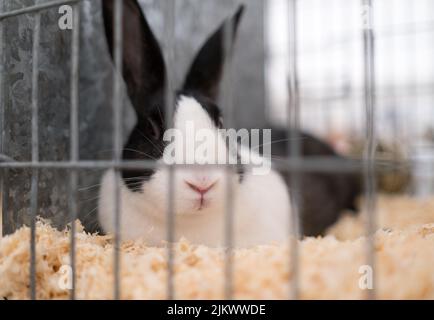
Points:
x=200, y=188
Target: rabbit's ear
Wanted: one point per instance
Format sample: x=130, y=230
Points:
x=206, y=70
x=143, y=63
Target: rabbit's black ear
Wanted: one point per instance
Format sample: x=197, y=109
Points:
x=206, y=71
x=143, y=64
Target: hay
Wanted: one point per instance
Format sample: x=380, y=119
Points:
x=329, y=268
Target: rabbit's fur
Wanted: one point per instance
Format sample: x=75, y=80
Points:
x=261, y=205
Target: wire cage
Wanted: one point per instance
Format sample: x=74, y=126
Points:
x=55, y=147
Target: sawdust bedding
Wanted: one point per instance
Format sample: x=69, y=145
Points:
x=329, y=266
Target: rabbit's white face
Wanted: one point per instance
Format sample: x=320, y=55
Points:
x=196, y=190
x=199, y=187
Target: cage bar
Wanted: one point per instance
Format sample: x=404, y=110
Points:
x=35, y=152
x=370, y=147
x=74, y=136
x=169, y=36
x=3, y=173
x=392, y=92
x=294, y=148
x=227, y=103
x=317, y=164
x=117, y=137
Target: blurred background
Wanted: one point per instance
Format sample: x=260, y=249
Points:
x=330, y=74
x=330, y=70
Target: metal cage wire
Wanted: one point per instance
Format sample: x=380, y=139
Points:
x=294, y=164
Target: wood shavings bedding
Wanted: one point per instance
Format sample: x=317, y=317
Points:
x=329, y=268
x=393, y=212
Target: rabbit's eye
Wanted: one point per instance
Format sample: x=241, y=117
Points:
x=155, y=129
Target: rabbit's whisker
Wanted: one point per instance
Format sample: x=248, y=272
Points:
x=142, y=153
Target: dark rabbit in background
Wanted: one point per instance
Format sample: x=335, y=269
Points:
x=324, y=196
x=260, y=202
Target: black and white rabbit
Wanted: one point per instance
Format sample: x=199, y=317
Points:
x=261, y=202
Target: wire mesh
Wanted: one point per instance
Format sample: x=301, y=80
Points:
x=294, y=164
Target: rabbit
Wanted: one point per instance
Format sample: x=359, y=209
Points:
x=323, y=196
x=260, y=201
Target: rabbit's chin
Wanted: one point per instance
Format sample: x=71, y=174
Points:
x=192, y=208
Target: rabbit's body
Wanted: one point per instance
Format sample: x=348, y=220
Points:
x=261, y=221
x=260, y=200
x=260, y=204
